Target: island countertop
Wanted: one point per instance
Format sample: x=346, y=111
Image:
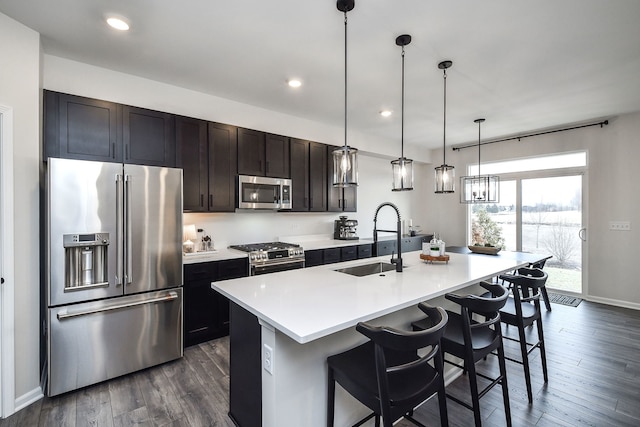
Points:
x=312, y=303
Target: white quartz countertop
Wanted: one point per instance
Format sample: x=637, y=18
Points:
x=216, y=255
x=311, y=303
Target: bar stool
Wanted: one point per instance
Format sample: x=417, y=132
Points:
x=522, y=311
x=387, y=374
x=473, y=340
x=543, y=289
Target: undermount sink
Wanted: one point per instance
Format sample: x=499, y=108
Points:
x=367, y=269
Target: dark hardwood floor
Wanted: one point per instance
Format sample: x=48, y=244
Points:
x=594, y=380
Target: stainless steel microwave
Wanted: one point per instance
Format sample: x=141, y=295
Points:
x=260, y=192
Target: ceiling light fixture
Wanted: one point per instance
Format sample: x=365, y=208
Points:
x=445, y=174
x=480, y=188
x=117, y=23
x=294, y=83
x=402, y=167
x=386, y=113
x=345, y=159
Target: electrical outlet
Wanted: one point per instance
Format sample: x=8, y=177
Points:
x=268, y=359
x=620, y=225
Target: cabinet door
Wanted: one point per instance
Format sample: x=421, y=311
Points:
x=251, y=152
x=277, y=156
x=222, y=167
x=148, y=137
x=80, y=128
x=299, y=150
x=317, y=177
x=191, y=137
x=200, y=303
x=386, y=247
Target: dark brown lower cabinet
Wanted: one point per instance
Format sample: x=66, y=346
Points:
x=206, y=312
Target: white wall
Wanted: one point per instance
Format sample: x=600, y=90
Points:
x=613, y=154
x=19, y=89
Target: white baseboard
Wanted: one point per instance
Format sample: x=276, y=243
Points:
x=28, y=398
x=615, y=302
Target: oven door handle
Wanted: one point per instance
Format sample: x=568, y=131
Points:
x=278, y=262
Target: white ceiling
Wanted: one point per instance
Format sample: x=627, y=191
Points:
x=523, y=65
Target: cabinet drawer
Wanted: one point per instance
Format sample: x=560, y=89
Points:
x=233, y=268
x=200, y=271
x=313, y=258
x=349, y=253
x=331, y=255
x=364, y=251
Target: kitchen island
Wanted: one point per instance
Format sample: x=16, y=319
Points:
x=284, y=325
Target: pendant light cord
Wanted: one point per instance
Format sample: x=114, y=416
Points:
x=402, y=112
x=345, y=79
x=479, y=122
x=444, y=133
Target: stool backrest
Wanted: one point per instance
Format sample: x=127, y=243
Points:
x=485, y=306
x=396, y=353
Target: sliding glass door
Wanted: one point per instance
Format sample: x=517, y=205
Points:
x=552, y=223
x=540, y=210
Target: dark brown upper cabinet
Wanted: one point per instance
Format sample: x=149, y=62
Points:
x=207, y=155
x=148, y=137
x=82, y=128
x=261, y=154
x=339, y=199
x=193, y=158
x=223, y=160
x=277, y=156
x=308, y=176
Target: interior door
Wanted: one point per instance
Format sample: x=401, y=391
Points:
x=552, y=220
x=153, y=228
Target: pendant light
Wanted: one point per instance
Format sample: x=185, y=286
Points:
x=480, y=188
x=345, y=158
x=402, y=167
x=445, y=174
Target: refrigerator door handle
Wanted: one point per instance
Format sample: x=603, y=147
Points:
x=127, y=237
x=119, y=231
x=169, y=296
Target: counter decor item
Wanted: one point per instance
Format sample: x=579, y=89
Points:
x=486, y=250
x=431, y=258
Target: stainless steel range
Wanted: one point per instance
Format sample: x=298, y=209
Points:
x=272, y=256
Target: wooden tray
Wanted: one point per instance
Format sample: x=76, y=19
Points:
x=430, y=258
x=486, y=250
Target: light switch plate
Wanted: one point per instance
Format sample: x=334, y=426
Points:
x=620, y=225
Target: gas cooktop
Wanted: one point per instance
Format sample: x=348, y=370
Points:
x=265, y=247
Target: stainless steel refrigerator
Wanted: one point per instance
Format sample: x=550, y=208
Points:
x=114, y=263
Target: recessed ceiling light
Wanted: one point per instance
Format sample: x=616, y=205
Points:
x=294, y=83
x=118, y=23
x=385, y=113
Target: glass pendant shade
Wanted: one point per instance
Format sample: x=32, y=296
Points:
x=345, y=167
x=480, y=189
x=402, y=174
x=445, y=179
